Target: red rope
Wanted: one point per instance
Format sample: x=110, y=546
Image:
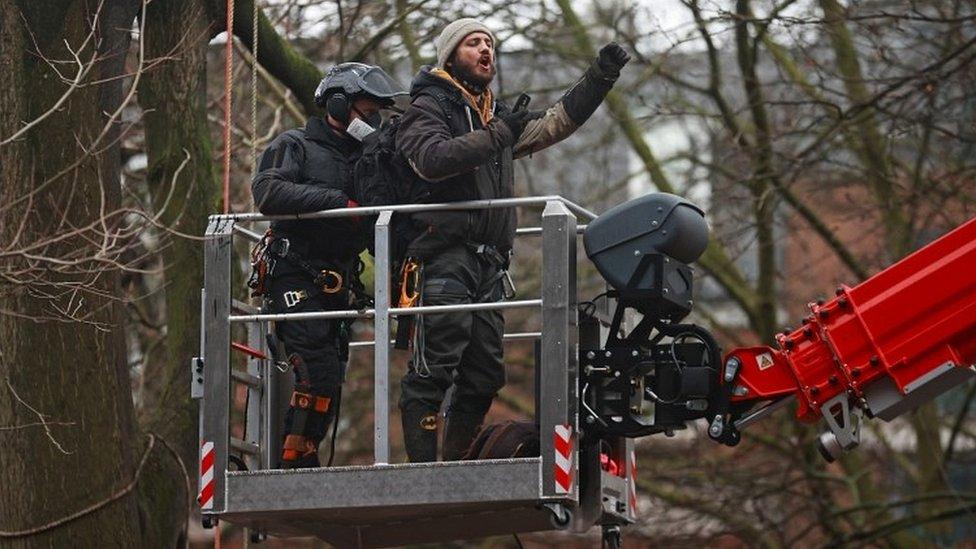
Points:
x=228, y=81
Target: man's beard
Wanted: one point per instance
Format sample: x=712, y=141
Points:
x=470, y=79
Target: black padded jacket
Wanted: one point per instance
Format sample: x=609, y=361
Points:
x=307, y=170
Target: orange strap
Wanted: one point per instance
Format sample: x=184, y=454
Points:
x=305, y=401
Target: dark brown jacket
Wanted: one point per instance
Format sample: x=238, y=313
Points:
x=459, y=158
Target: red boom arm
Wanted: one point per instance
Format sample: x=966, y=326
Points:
x=887, y=345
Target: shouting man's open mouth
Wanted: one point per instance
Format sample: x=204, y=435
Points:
x=485, y=63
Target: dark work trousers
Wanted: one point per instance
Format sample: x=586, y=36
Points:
x=321, y=344
x=464, y=348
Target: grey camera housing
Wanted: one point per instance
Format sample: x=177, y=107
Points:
x=642, y=248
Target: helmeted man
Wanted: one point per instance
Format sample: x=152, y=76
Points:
x=314, y=264
x=462, y=141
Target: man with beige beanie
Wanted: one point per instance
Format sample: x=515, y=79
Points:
x=461, y=143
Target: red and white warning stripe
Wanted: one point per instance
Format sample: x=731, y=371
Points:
x=206, y=476
x=563, y=439
x=633, y=484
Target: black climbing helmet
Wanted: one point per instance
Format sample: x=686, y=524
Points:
x=352, y=80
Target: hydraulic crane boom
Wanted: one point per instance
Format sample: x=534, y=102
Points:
x=883, y=347
x=887, y=345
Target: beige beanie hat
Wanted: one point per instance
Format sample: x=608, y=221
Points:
x=453, y=34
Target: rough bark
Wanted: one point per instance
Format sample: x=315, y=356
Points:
x=70, y=374
x=184, y=187
x=184, y=192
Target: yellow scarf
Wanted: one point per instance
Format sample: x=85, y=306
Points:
x=481, y=104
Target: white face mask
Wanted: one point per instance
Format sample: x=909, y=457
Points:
x=359, y=130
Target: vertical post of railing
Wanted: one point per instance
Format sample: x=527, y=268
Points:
x=268, y=382
x=381, y=341
x=215, y=405
x=253, y=427
x=559, y=377
x=278, y=387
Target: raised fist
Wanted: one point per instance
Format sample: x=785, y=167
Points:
x=611, y=59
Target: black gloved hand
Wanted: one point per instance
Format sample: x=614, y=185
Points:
x=516, y=122
x=611, y=59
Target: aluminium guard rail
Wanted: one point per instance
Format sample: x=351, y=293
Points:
x=213, y=376
x=558, y=304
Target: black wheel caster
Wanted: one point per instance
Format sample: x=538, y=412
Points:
x=209, y=521
x=612, y=538
x=559, y=516
x=734, y=438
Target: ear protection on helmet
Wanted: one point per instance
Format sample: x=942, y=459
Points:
x=338, y=107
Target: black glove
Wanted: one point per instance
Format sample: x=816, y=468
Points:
x=611, y=59
x=516, y=122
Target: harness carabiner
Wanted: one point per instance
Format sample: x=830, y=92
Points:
x=330, y=281
x=261, y=265
x=410, y=284
x=257, y=251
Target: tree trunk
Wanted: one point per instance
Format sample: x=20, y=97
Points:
x=68, y=439
x=181, y=176
x=184, y=192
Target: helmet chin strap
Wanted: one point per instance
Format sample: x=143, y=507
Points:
x=335, y=124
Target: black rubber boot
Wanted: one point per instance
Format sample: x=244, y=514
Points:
x=420, y=433
x=461, y=430
x=308, y=461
